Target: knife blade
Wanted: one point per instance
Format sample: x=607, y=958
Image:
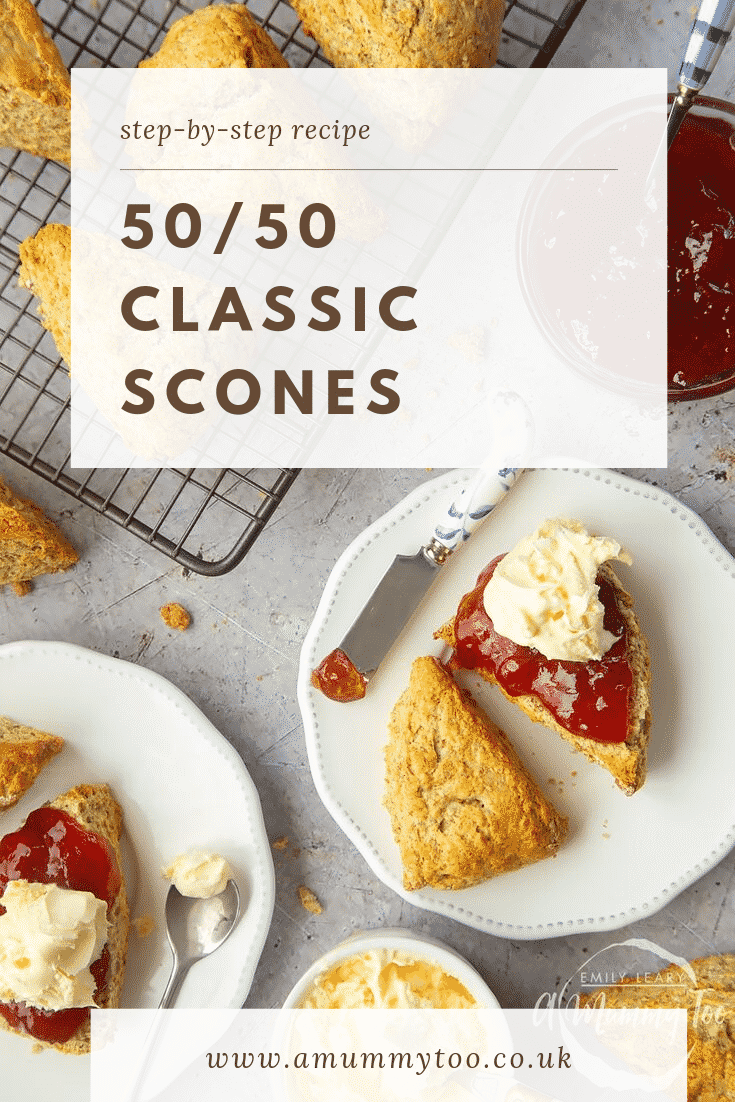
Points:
x=343, y=675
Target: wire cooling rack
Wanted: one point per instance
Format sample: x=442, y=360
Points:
x=206, y=520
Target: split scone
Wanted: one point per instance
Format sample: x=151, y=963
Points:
x=23, y=753
x=35, y=90
x=30, y=544
x=709, y=1000
x=462, y=805
x=62, y=871
x=402, y=34
x=221, y=37
x=46, y=272
x=563, y=643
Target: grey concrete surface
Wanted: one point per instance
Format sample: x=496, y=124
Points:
x=238, y=663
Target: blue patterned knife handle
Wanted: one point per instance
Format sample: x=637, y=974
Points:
x=486, y=490
x=710, y=32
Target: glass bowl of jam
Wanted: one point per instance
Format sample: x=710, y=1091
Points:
x=701, y=253
x=591, y=250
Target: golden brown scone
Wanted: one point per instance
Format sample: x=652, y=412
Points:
x=221, y=37
x=710, y=1004
x=46, y=271
x=405, y=34
x=35, y=90
x=30, y=544
x=463, y=806
x=627, y=760
x=23, y=753
x=95, y=808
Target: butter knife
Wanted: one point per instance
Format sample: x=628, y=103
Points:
x=708, y=37
x=343, y=675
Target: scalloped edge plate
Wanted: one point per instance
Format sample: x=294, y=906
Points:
x=181, y=786
x=626, y=857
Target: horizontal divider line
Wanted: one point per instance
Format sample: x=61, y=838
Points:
x=369, y=169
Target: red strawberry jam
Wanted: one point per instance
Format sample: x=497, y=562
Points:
x=339, y=679
x=587, y=698
x=701, y=216
x=51, y=848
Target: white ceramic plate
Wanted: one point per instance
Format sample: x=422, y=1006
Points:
x=181, y=786
x=625, y=856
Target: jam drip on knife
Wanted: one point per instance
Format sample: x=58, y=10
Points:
x=589, y=699
x=52, y=848
x=339, y=679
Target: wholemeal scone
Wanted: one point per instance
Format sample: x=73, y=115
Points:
x=105, y=353
x=30, y=544
x=600, y=706
x=710, y=1006
x=221, y=37
x=35, y=90
x=94, y=810
x=46, y=272
x=23, y=753
x=462, y=805
x=404, y=34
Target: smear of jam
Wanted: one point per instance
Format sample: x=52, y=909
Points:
x=339, y=679
x=701, y=252
x=51, y=848
x=587, y=698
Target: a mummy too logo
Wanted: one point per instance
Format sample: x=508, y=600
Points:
x=636, y=974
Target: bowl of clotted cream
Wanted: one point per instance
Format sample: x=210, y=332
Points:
x=391, y=969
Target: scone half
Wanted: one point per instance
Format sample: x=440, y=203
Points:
x=626, y=761
x=463, y=807
x=23, y=753
x=94, y=808
x=708, y=996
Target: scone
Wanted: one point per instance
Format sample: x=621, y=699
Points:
x=462, y=805
x=710, y=1006
x=93, y=863
x=30, y=544
x=23, y=753
x=222, y=37
x=403, y=34
x=46, y=272
x=35, y=90
x=601, y=706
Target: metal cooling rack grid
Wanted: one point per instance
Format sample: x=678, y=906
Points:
x=206, y=520
x=122, y=32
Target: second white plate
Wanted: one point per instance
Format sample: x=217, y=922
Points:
x=625, y=856
x=181, y=787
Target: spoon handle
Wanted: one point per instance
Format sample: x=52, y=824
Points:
x=177, y=977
